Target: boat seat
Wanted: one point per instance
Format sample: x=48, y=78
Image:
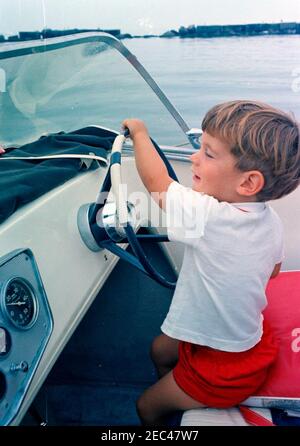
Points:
x=238, y=416
x=213, y=417
x=282, y=388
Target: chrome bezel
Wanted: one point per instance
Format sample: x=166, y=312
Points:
x=4, y=355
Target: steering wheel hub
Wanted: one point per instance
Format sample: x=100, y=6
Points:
x=108, y=218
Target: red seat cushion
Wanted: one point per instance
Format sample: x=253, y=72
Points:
x=283, y=315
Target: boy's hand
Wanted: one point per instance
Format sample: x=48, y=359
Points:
x=150, y=166
x=2, y=150
x=135, y=126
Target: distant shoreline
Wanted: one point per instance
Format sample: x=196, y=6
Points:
x=203, y=31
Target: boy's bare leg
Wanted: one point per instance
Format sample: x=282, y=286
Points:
x=161, y=399
x=164, y=354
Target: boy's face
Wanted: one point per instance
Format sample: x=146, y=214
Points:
x=214, y=170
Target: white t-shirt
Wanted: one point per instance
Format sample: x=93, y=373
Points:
x=230, y=252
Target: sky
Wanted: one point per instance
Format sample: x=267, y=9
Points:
x=140, y=16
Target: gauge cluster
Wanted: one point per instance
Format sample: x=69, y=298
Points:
x=25, y=328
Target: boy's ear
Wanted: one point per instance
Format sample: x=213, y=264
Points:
x=251, y=183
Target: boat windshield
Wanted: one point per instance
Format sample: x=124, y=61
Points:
x=67, y=83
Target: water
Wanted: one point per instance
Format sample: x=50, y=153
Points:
x=92, y=84
x=198, y=73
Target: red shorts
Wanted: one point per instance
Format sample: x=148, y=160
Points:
x=224, y=379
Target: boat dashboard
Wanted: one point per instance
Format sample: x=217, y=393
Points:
x=26, y=324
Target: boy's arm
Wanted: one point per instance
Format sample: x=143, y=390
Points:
x=276, y=270
x=150, y=166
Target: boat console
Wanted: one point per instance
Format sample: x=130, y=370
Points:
x=25, y=328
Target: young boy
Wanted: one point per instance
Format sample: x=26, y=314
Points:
x=216, y=349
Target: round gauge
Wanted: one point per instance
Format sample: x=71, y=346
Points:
x=19, y=303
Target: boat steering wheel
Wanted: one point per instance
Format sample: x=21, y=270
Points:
x=111, y=223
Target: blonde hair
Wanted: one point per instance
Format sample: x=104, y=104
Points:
x=261, y=138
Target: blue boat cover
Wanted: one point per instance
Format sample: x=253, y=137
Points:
x=22, y=181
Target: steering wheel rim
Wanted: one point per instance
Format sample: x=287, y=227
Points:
x=122, y=211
